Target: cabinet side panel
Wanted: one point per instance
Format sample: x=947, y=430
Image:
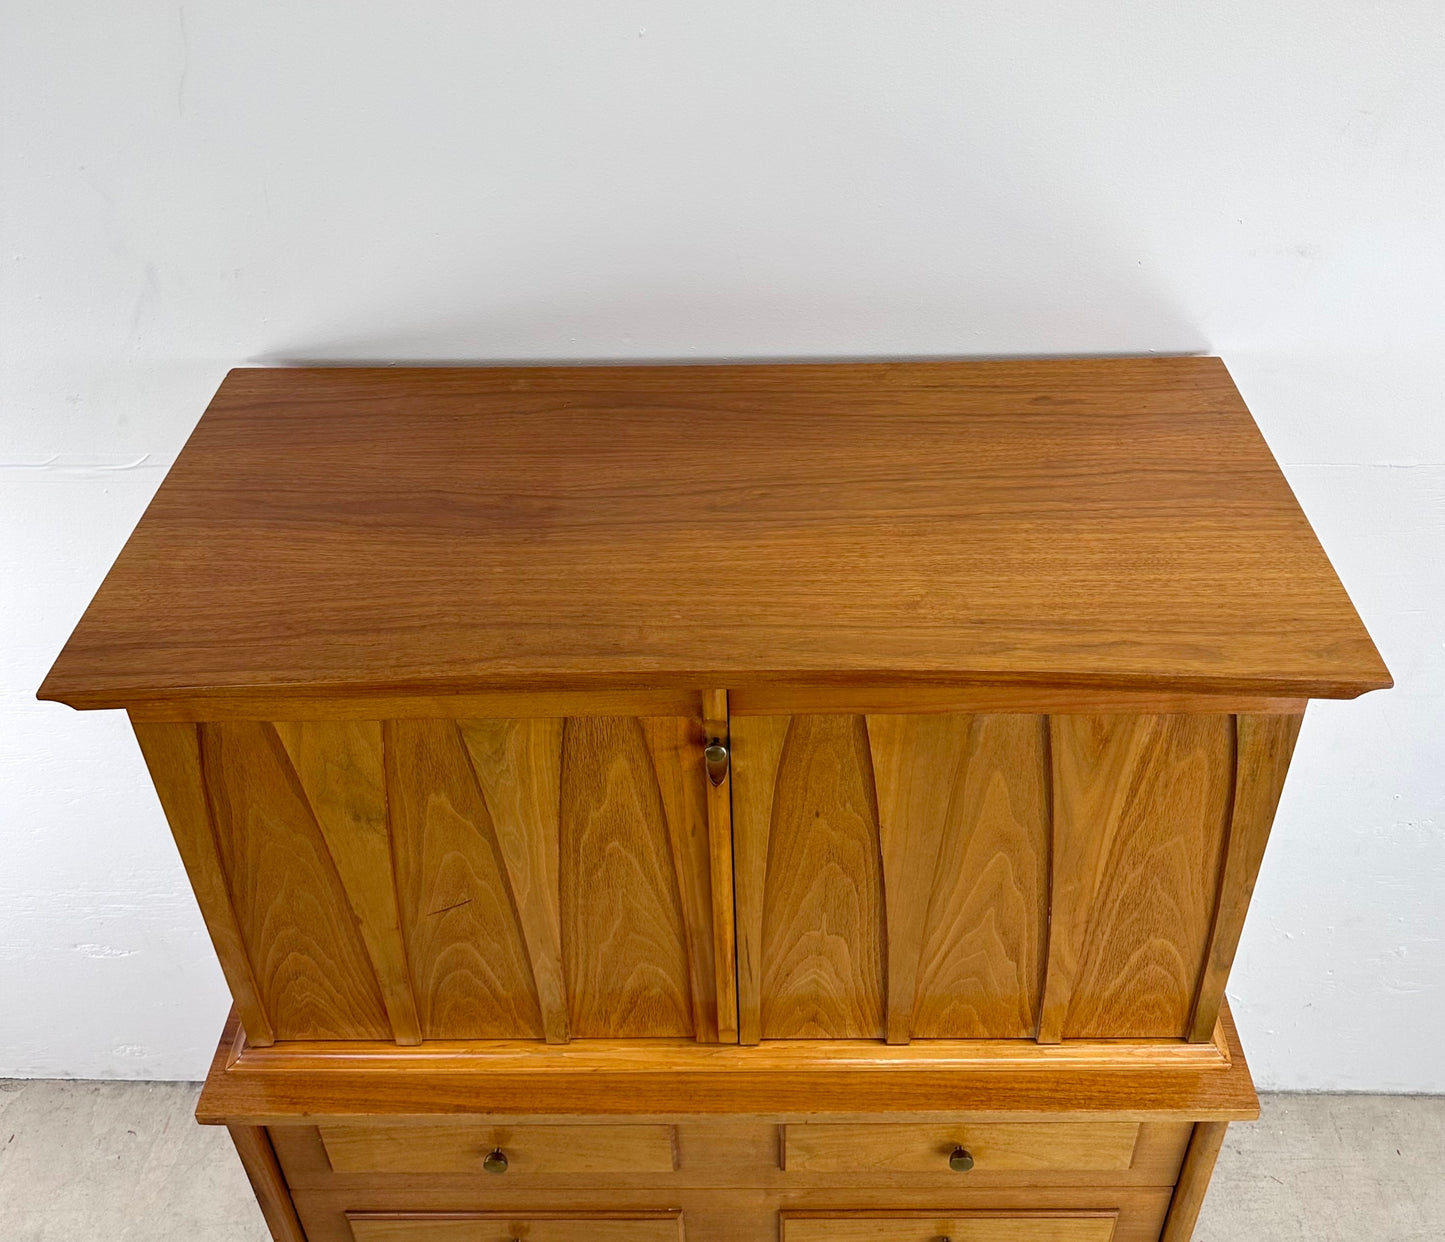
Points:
x=340, y=767
x=980, y=973
x=823, y=910
x=173, y=756
x=469, y=966
x=306, y=950
x=1265, y=746
x=1141, y=810
x=624, y=941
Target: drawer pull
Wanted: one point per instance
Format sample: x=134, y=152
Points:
x=495, y=1161
x=960, y=1160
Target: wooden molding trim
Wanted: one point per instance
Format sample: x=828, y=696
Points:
x=793, y=1078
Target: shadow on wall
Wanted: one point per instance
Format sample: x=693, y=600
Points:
x=1001, y=283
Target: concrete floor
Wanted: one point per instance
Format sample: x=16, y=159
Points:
x=124, y=1162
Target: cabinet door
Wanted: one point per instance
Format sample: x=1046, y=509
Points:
x=436, y=878
x=998, y=876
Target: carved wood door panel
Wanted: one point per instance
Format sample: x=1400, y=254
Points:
x=455, y=879
x=999, y=876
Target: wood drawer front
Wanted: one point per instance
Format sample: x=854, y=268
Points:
x=955, y=1226
x=643, y=1226
x=528, y=1149
x=995, y=1148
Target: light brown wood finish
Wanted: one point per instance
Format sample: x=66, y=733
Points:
x=1194, y=1177
x=574, y=526
x=1263, y=750
x=720, y=857
x=865, y=1149
x=853, y=1080
x=914, y=759
x=443, y=879
x=981, y=958
x=518, y=765
x=757, y=750
x=268, y=1183
x=619, y=888
x=314, y=973
x=675, y=746
x=468, y=955
x=564, y=1148
x=743, y=1214
x=173, y=757
x=1010, y=713
x=1140, y=815
x=659, y=1226
x=718, y=1152
x=958, y=1227
x=1053, y=875
x=822, y=928
x=339, y=765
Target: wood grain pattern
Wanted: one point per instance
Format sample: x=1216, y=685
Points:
x=624, y=937
x=869, y=1226
x=267, y=1183
x=1194, y=1178
x=981, y=958
x=674, y=747
x=721, y=1152
x=1140, y=813
x=544, y=702
x=305, y=949
x=518, y=765
x=720, y=858
x=748, y=1214
x=981, y=968
x=594, y=1226
x=969, y=698
x=530, y=1150
x=867, y=1149
x=546, y=548
x=1264, y=747
x=757, y=751
x=173, y=757
x=469, y=964
x=845, y=1080
x=340, y=768
x=914, y=760
x=822, y=933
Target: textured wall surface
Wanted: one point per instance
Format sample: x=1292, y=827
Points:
x=190, y=187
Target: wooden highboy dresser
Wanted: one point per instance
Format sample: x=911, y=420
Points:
x=724, y=803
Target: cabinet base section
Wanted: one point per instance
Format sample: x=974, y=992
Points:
x=388, y=1152
x=740, y=1214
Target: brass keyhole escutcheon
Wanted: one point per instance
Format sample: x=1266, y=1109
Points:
x=715, y=759
x=960, y=1160
x=495, y=1161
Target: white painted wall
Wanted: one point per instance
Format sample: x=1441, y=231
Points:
x=186, y=188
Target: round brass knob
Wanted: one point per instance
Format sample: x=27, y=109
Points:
x=495, y=1161
x=960, y=1160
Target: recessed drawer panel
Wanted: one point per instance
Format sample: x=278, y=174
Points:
x=500, y=1150
x=955, y=1226
x=642, y=1226
x=960, y=1149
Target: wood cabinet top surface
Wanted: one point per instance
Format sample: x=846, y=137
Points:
x=1095, y=523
